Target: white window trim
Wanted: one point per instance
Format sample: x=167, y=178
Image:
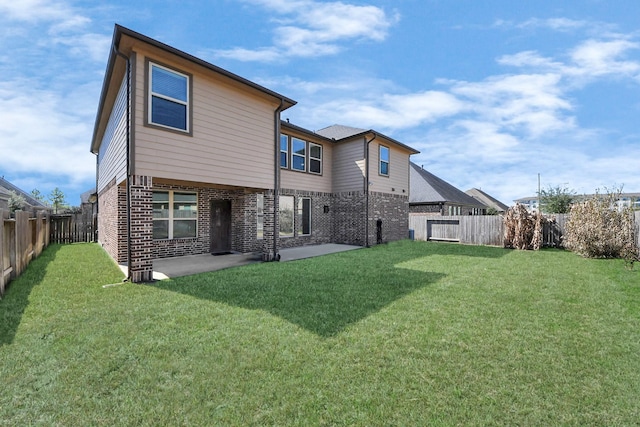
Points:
x=285, y=151
x=171, y=219
x=380, y=161
x=159, y=95
x=312, y=144
x=300, y=208
x=293, y=154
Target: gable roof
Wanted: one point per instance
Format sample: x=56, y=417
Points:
x=119, y=32
x=7, y=188
x=343, y=133
x=486, y=199
x=425, y=187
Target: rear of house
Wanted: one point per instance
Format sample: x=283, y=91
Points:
x=193, y=159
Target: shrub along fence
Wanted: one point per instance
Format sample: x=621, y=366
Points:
x=22, y=239
x=479, y=229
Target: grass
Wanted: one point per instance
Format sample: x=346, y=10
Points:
x=408, y=333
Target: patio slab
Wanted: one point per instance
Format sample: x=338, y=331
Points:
x=166, y=268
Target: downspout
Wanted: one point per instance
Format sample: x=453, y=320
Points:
x=128, y=143
x=276, y=177
x=366, y=189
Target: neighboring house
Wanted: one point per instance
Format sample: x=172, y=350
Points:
x=197, y=160
x=88, y=203
x=631, y=200
x=7, y=189
x=487, y=200
x=434, y=196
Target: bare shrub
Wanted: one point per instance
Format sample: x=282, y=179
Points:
x=598, y=229
x=522, y=230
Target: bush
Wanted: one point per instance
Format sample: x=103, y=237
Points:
x=523, y=230
x=597, y=229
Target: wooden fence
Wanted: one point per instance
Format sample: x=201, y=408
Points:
x=485, y=229
x=476, y=229
x=22, y=239
x=73, y=228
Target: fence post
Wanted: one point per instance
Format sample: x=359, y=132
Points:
x=3, y=265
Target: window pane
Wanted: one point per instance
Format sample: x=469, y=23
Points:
x=160, y=196
x=315, y=151
x=160, y=229
x=384, y=168
x=169, y=84
x=314, y=166
x=184, y=210
x=286, y=216
x=304, y=216
x=384, y=154
x=284, y=143
x=297, y=162
x=185, y=197
x=283, y=160
x=183, y=229
x=168, y=113
x=299, y=146
x=260, y=215
x=161, y=210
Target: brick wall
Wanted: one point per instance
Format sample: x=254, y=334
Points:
x=348, y=214
x=393, y=210
x=112, y=221
x=434, y=209
x=141, y=267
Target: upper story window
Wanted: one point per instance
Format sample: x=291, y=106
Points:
x=298, y=154
x=284, y=151
x=315, y=158
x=168, y=98
x=384, y=160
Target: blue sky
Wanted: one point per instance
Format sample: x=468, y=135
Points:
x=491, y=92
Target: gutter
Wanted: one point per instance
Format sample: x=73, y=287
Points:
x=128, y=148
x=276, y=177
x=366, y=189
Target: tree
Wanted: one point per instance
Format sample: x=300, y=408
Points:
x=57, y=199
x=492, y=211
x=36, y=194
x=557, y=199
x=16, y=202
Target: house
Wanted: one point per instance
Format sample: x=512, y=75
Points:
x=7, y=189
x=487, y=200
x=434, y=196
x=193, y=159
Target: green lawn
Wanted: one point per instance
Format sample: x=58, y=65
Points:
x=404, y=334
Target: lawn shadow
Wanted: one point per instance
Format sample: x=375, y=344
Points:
x=323, y=295
x=16, y=297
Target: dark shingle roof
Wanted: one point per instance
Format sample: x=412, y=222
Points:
x=339, y=131
x=9, y=187
x=486, y=199
x=425, y=187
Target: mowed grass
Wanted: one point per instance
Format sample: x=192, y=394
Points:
x=403, y=334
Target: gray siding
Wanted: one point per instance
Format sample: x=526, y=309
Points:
x=113, y=149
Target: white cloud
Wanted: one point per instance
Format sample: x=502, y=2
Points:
x=39, y=121
x=311, y=28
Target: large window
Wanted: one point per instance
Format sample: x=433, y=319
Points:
x=168, y=98
x=284, y=151
x=175, y=214
x=298, y=154
x=260, y=215
x=303, y=219
x=286, y=216
x=315, y=158
x=384, y=160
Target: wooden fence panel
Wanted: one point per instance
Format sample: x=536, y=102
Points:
x=482, y=230
x=444, y=228
x=72, y=228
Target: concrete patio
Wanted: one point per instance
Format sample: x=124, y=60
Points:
x=166, y=268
